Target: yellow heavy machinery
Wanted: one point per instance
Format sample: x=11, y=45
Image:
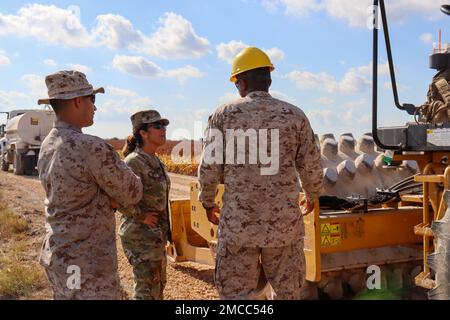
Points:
x=402, y=235
x=339, y=245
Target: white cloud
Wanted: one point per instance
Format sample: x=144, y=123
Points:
x=36, y=84
x=174, y=39
x=136, y=66
x=275, y=54
x=357, y=12
x=4, y=60
x=400, y=87
x=282, y=96
x=10, y=100
x=183, y=74
x=50, y=63
x=333, y=120
x=362, y=103
x=35, y=88
x=323, y=120
x=426, y=38
x=300, y=7
x=228, y=51
x=292, y=7
x=229, y=97
x=270, y=5
x=141, y=67
x=355, y=80
x=119, y=92
x=49, y=24
x=200, y=114
x=80, y=67
x=116, y=32
x=326, y=101
x=309, y=80
x=140, y=103
x=119, y=102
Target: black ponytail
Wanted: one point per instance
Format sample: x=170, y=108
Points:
x=134, y=141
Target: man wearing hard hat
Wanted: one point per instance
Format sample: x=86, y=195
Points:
x=261, y=226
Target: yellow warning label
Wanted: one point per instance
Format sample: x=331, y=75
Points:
x=330, y=234
x=325, y=228
x=329, y=241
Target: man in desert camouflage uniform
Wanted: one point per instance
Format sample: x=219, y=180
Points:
x=437, y=107
x=261, y=225
x=145, y=243
x=80, y=175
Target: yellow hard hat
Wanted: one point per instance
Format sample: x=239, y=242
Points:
x=248, y=59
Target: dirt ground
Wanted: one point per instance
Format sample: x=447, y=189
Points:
x=185, y=281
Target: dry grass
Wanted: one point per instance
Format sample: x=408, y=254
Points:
x=10, y=223
x=20, y=276
x=186, y=167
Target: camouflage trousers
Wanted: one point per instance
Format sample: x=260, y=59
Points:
x=149, y=262
x=93, y=287
x=238, y=271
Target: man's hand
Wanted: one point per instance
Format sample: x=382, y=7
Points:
x=306, y=207
x=151, y=219
x=113, y=204
x=212, y=217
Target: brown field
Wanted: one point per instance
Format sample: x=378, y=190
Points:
x=22, y=231
x=186, y=166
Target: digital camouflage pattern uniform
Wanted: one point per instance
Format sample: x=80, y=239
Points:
x=79, y=173
x=145, y=247
x=437, y=107
x=260, y=224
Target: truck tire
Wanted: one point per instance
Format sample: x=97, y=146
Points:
x=29, y=165
x=19, y=164
x=4, y=163
x=439, y=261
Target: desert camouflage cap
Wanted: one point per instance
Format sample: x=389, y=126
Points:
x=147, y=116
x=67, y=85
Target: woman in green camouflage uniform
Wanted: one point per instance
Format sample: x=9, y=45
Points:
x=145, y=228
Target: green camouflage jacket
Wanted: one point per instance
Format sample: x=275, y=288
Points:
x=155, y=198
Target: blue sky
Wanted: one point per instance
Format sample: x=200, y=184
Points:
x=174, y=56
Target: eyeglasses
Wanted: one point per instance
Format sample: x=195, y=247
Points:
x=157, y=125
x=92, y=98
